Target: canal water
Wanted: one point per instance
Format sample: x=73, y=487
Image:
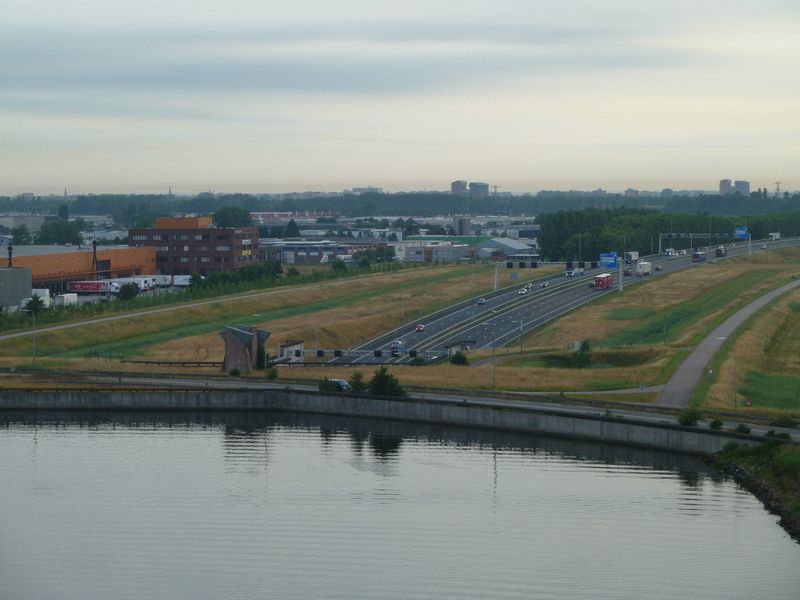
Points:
x=274, y=505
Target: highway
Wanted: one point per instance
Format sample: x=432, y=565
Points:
x=506, y=314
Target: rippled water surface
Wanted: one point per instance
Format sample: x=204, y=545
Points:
x=291, y=506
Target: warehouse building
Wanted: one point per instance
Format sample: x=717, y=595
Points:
x=53, y=267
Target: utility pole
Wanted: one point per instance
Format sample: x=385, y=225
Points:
x=621, y=286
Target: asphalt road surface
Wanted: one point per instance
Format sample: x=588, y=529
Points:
x=507, y=315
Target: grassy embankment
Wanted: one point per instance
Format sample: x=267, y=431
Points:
x=772, y=472
x=626, y=330
x=639, y=337
x=762, y=360
x=341, y=313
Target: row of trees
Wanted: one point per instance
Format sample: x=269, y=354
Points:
x=583, y=234
x=140, y=210
x=52, y=232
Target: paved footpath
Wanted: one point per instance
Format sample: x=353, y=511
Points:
x=678, y=390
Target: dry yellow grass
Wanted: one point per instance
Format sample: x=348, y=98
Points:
x=659, y=295
x=749, y=355
x=345, y=326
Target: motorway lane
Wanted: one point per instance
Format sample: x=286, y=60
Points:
x=507, y=315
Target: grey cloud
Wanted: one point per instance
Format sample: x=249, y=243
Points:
x=192, y=62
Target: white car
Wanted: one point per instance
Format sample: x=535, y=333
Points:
x=523, y=291
x=763, y=245
x=545, y=284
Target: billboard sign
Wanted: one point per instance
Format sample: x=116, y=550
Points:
x=608, y=260
x=741, y=233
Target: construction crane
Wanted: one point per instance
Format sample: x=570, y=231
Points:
x=495, y=188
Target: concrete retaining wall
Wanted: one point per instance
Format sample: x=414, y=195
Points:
x=472, y=414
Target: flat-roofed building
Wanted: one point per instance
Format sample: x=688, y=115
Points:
x=188, y=245
x=54, y=267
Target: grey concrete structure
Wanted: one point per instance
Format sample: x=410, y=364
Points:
x=242, y=344
x=472, y=413
x=15, y=284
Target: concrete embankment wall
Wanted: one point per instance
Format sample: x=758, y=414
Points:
x=471, y=414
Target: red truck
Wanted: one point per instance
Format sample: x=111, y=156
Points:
x=103, y=286
x=603, y=281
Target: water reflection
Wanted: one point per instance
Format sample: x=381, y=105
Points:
x=384, y=438
x=290, y=505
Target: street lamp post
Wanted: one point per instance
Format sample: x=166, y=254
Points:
x=33, y=315
x=735, y=375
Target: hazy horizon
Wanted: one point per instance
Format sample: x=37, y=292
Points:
x=263, y=97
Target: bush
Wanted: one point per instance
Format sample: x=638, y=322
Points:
x=459, y=358
x=357, y=382
x=715, y=424
x=384, y=383
x=272, y=373
x=689, y=417
x=770, y=433
x=234, y=372
x=783, y=436
x=784, y=422
x=741, y=428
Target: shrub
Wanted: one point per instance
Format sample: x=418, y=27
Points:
x=234, y=372
x=741, y=428
x=784, y=422
x=689, y=417
x=715, y=424
x=783, y=436
x=459, y=358
x=272, y=373
x=384, y=383
x=770, y=433
x=357, y=382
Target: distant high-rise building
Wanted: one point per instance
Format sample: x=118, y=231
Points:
x=631, y=193
x=741, y=187
x=725, y=187
x=462, y=225
x=479, y=189
x=459, y=187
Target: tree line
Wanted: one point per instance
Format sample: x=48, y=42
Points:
x=141, y=210
x=584, y=234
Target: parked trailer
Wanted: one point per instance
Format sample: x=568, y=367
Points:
x=102, y=286
x=644, y=268
x=182, y=280
x=603, y=281
x=631, y=257
x=162, y=280
x=66, y=300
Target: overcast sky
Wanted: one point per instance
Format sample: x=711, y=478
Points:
x=269, y=96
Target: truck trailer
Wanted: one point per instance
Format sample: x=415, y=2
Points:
x=603, y=281
x=774, y=237
x=721, y=251
x=644, y=268
x=101, y=286
x=66, y=300
x=631, y=257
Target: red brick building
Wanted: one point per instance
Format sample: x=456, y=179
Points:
x=188, y=245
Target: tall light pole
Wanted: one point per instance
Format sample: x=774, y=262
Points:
x=494, y=350
x=735, y=374
x=33, y=315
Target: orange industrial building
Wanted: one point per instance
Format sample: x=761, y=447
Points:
x=54, y=266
